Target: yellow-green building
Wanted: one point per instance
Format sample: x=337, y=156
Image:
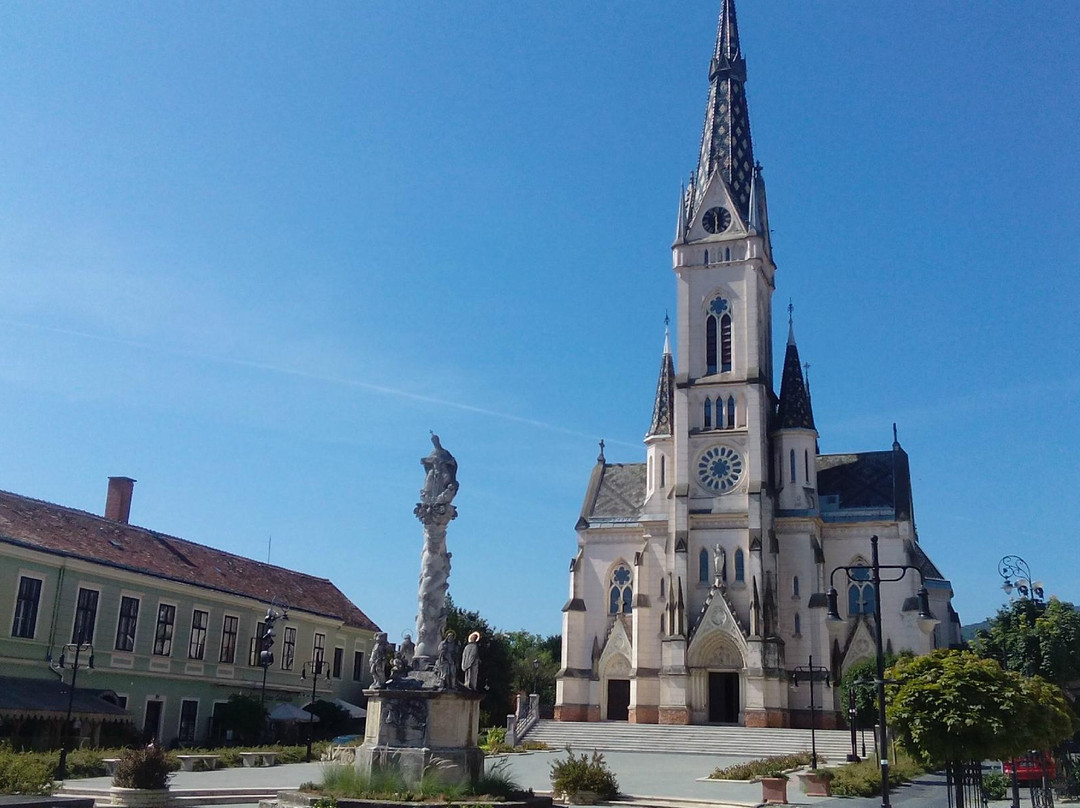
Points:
x=175, y=627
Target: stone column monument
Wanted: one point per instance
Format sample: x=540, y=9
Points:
x=435, y=510
x=419, y=718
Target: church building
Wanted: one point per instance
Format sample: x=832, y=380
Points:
x=700, y=578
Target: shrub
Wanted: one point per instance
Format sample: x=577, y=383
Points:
x=497, y=783
x=762, y=767
x=995, y=785
x=584, y=773
x=23, y=773
x=495, y=741
x=145, y=767
x=863, y=779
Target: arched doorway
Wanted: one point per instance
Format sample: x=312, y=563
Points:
x=716, y=679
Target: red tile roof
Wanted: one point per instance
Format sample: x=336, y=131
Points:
x=78, y=534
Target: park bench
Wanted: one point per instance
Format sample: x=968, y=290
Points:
x=187, y=762
x=259, y=758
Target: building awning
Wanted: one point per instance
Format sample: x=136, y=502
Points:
x=353, y=710
x=48, y=699
x=290, y=712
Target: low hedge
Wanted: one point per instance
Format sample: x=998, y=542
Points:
x=754, y=769
x=863, y=779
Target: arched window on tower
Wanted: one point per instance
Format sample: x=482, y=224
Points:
x=798, y=625
x=795, y=586
x=706, y=257
x=806, y=464
x=725, y=343
x=791, y=457
x=663, y=471
x=710, y=345
x=727, y=253
x=731, y=412
x=740, y=566
x=860, y=590
x=703, y=566
x=621, y=593
x=649, y=473
x=661, y=587
x=708, y=413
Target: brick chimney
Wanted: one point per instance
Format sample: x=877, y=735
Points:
x=118, y=503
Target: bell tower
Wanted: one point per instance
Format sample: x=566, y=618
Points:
x=724, y=395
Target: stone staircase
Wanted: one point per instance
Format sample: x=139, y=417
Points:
x=751, y=742
x=191, y=797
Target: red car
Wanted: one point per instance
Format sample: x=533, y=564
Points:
x=1033, y=767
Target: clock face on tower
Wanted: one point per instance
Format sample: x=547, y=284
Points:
x=720, y=468
x=716, y=220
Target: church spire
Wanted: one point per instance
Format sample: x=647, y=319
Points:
x=794, y=411
x=662, y=425
x=725, y=139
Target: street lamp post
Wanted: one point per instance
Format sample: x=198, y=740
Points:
x=1017, y=576
x=318, y=667
x=811, y=673
x=926, y=622
x=78, y=648
x=853, y=715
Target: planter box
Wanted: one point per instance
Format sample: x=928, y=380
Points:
x=816, y=785
x=139, y=797
x=774, y=790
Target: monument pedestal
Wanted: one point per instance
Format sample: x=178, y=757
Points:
x=414, y=727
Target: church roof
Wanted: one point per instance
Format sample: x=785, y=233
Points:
x=725, y=137
x=663, y=417
x=616, y=493
x=866, y=480
x=72, y=533
x=794, y=411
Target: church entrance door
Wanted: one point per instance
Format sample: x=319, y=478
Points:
x=723, y=698
x=618, y=700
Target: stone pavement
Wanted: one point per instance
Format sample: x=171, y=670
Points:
x=659, y=779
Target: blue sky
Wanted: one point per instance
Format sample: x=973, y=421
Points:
x=250, y=256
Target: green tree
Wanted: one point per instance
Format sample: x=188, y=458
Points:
x=861, y=678
x=496, y=671
x=1034, y=638
x=952, y=706
x=244, y=715
x=535, y=660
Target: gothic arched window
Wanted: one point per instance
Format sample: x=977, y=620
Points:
x=860, y=591
x=798, y=624
x=706, y=257
x=663, y=471
x=795, y=586
x=703, y=566
x=718, y=336
x=731, y=412
x=806, y=464
x=740, y=565
x=708, y=413
x=725, y=343
x=791, y=457
x=621, y=592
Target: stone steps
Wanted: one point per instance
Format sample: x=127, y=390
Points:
x=701, y=740
x=177, y=796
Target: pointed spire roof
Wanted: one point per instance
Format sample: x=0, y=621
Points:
x=725, y=138
x=663, y=417
x=794, y=411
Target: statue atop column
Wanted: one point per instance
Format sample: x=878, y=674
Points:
x=435, y=511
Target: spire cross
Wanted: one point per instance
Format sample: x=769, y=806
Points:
x=600, y=458
x=790, y=311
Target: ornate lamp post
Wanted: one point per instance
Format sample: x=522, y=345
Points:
x=318, y=667
x=78, y=649
x=811, y=673
x=266, y=642
x=1017, y=577
x=926, y=623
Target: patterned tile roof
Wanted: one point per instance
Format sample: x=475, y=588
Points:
x=663, y=416
x=620, y=492
x=725, y=138
x=77, y=534
x=867, y=480
x=794, y=410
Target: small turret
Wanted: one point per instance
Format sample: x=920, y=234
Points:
x=660, y=437
x=794, y=434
